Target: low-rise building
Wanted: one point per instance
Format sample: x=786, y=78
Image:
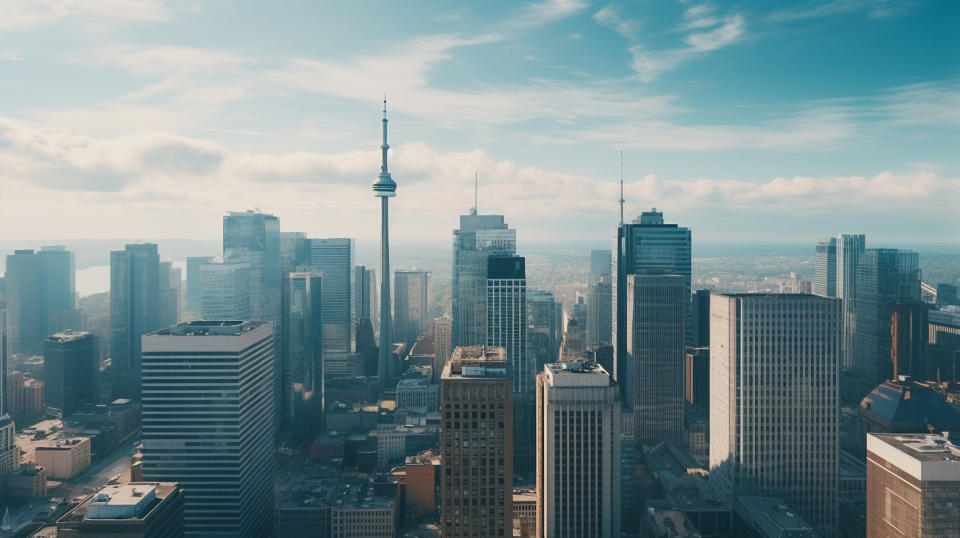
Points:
x=28, y=481
x=525, y=513
x=418, y=392
x=420, y=483
x=768, y=517
x=65, y=459
x=135, y=510
x=337, y=506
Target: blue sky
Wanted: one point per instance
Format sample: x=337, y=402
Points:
x=774, y=120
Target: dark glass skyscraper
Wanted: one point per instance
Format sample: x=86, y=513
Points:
x=644, y=243
x=334, y=259
x=70, y=368
x=885, y=278
x=134, y=311
x=303, y=373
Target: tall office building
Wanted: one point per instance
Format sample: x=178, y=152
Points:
x=25, y=333
x=701, y=318
x=913, y=485
x=194, y=288
x=578, y=452
x=4, y=347
x=41, y=295
x=507, y=329
x=600, y=313
x=225, y=291
x=476, y=444
x=365, y=294
x=655, y=355
x=544, y=328
x=410, y=304
x=774, y=400
x=885, y=278
x=849, y=249
x=600, y=264
x=134, y=311
x=825, y=276
x=334, y=259
x=478, y=237
x=303, y=373
x=213, y=433
x=441, y=345
x=70, y=366
x=170, y=285
x=254, y=239
x=645, y=242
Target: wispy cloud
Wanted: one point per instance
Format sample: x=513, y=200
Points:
x=11, y=56
x=22, y=15
x=612, y=17
x=541, y=13
x=875, y=9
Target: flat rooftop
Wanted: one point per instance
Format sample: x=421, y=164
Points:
x=209, y=328
x=68, y=336
x=576, y=374
x=122, y=496
x=477, y=362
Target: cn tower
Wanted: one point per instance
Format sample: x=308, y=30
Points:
x=385, y=188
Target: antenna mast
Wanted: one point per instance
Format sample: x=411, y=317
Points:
x=621, y=187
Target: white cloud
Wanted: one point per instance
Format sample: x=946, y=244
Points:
x=21, y=15
x=11, y=56
x=542, y=13
x=612, y=17
x=96, y=183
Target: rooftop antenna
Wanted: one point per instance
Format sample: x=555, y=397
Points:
x=621, y=187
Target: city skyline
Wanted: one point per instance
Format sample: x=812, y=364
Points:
x=727, y=116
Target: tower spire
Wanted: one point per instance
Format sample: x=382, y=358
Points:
x=621, y=183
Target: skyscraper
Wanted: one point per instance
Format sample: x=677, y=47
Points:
x=600, y=264
x=25, y=332
x=578, y=452
x=774, y=400
x=645, y=242
x=385, y=188
x=507, y=329
x=254, y=239
x=655, y=354
x=478, y=237
x=410, y=307
x=212, y=433
x=600, y=312
x=365, y=293
x=4, y=350
x=885, y=277
x=825, y=279
x=170, y=284
x=334, y=259
x=544, y=328
x=194, y=288
x=441, y=345
x=476, y=444
x=303, y=373
x=849, y=249
x=134, y=311
x=225, y=291
x=70, y=365
x=701, y=318
x=41, y=296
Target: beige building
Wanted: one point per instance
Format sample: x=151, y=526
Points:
x=476, y=444
x=441, y=345
x=525, y=513
x=66, y=459
x=913, y=485
x=578, y=452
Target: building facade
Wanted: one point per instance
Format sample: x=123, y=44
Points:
x=578, y=452
x=476, y=444
x=70, y=367
x=225, y=291
x=849, y=249
x=410, y=304
x=644, y=243
x=134, y=311
x=825, y=275
x=333, y=258
x=654, y=359
x=441, y=345
x=213, y=433
x=774, y=400
x=303, y=379
x=478, y=237
x=913, y=485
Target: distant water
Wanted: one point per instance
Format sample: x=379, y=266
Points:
x=96, y=279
